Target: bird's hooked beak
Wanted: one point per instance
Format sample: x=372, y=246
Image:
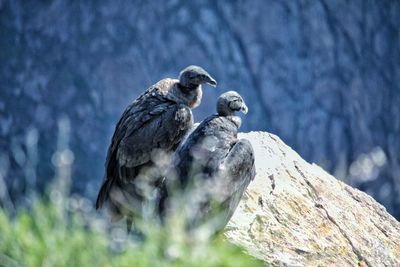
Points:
x=244, y=108
x=210, y=80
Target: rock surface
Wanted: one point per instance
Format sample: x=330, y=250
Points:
x=296, y=214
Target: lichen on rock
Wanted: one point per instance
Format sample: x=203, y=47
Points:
x=296, y=214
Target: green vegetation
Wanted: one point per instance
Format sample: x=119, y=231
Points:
x=60, y=229
x=49, y=235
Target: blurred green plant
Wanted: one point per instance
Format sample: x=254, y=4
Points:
x=46, y=235
x=60, y=229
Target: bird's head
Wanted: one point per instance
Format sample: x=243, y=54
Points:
x=193, y=76
x=230, y=102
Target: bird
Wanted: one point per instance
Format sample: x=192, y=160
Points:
x=211, y=169
x=150, y=128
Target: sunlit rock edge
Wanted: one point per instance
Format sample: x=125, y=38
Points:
x=296, y=214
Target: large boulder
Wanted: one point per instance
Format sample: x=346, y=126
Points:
x=296, y=214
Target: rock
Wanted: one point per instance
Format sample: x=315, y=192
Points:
x=296, y=214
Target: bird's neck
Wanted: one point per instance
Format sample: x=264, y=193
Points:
x=190, y=96
x=235, y=120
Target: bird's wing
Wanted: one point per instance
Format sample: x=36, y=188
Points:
x=133, y=118
x=239, y=172
x=134, y=112
x=222, y=169
x=199, y=153
x=151, y=121
x=165, y=127
x=216, y=199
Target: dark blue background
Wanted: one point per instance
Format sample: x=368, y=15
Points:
x=323, y=75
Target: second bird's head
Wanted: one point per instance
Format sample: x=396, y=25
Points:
x=193, y=76
x=230, y=102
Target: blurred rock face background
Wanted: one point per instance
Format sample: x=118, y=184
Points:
x=323, y=75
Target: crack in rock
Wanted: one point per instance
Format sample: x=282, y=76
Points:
x=318, y=204
x=313, y=219
x=353, y=247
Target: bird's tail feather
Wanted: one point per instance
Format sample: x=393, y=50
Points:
x=104, y=192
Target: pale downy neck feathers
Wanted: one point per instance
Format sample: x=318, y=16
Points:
x=235, y=119
x=187, y=96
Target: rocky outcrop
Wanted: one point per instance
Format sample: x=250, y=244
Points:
x=296, y=214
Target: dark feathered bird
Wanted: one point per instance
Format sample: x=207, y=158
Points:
x=212, y=167
x=152, y=125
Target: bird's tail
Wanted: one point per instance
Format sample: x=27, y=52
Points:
x=104, y=192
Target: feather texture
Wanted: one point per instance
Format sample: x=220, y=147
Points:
x=213, y=169
x=150, y=124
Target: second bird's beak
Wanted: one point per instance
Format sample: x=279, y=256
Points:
x=244, y=108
